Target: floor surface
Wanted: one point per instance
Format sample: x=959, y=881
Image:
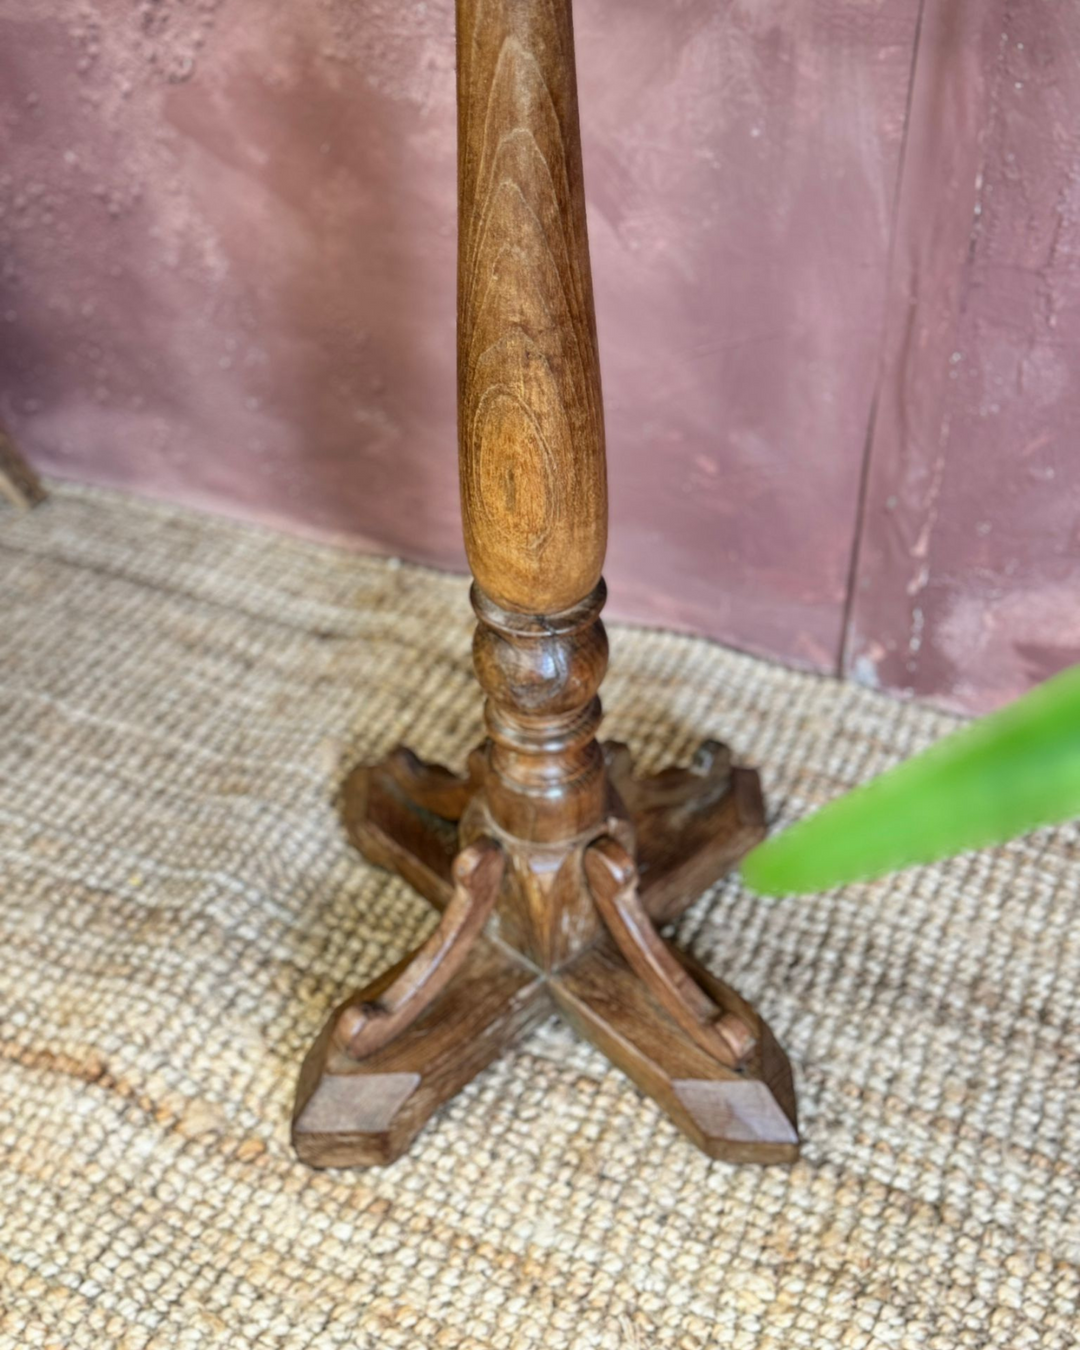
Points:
x=180, y=698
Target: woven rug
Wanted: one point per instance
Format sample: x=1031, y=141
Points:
x=180, y=698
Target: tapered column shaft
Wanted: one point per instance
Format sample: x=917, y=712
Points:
x=531, y=433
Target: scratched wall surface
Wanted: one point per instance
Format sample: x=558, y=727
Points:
x=229, y=238
x=968, y=584
x=228, y=250
x=834, y=253
x=741, y=163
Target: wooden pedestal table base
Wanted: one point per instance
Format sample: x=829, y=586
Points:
x=552, y=864
x=684, y=1037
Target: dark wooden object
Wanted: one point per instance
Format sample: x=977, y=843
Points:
x=552, y=864
x=18, y=482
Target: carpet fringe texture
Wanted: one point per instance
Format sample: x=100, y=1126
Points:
x=180, y=699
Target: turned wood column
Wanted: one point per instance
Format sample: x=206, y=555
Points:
x=550, y=860
x=530, y=419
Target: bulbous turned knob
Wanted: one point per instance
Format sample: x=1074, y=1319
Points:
x=541, y=673
x=540, y=665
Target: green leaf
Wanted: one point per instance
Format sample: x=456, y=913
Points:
x=994, y=779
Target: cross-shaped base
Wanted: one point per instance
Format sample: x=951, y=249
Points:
x=394, y=1052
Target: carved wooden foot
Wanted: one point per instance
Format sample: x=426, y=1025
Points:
x=361, y=1112
x=394, y=1052
x=692, y=825
x=744, y=1115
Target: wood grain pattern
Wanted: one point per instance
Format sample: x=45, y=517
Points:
x=392, y=831
x=613, y=886
x=362, y=1112
x=544, y=779
x=734, y=1099
x=530, y=420
x=744, y=1114
x=545, y=833
x=691, y=824
x=365, y=1026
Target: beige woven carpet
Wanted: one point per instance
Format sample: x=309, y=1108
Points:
x=179, y=699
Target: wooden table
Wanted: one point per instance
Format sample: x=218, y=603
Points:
x=553, y=866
